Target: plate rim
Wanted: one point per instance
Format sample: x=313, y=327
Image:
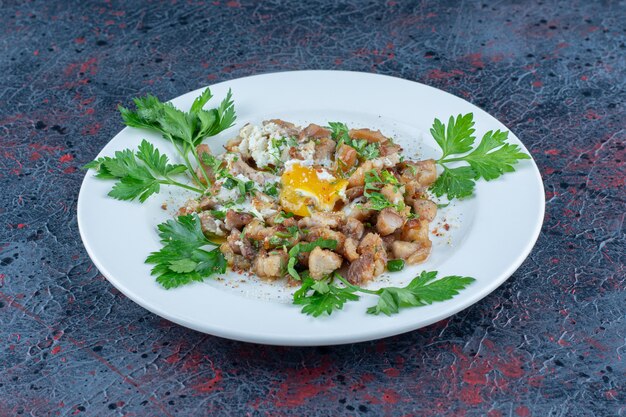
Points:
x=315, y=339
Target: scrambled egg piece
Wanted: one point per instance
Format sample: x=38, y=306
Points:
x=306, y=190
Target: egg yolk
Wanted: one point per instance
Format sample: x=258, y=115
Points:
x=304, y=191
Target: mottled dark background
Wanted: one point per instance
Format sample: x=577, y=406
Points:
x=550, y=342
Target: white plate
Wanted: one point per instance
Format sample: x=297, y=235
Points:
x=490, y=234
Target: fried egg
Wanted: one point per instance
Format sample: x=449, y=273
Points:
x=306, y=189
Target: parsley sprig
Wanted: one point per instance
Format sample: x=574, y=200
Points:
x=323, y=296
x=489, y=160
x=139, y=174
x=182, y=260
x=185, y=130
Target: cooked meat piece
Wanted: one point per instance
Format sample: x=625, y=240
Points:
x=427, y=172
x=388, y=221
x=236, y=220
x=270, y=265
x=424, y=172
x=368, y=135
x=354, y=192
x=322, y=219
x=285, y=221
x=403, y=250
x=314, y=131
x=234, y=241
x=362, y=269
x=317, y=232
x=256, y=230
x=389, y=148
x=411, y=252
x=353, y=228
x=358, y=211
x=289, y=128
x=393, y=193
x=388, y=241
x=322, y=262
x=380, y=264
x=415, y=230
x=241, y=244
x=259, y=177
x=240, y=263
x=349, y=249
x=372, y=243
x=426, y=209
x=414, y=191
x=235, y=261
x=210, y=225
x=207, y=202
x=227, y=251
x=191, y=206
x=346, y=157
x=421, y=254
x=324, y=150
x=358, y=176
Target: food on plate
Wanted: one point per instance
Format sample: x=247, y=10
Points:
x=279, y=184
x=327, y=207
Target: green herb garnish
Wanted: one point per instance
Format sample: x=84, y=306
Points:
x=182, y=260
x=139, y=174
x=395, y=265
x=324, y=296
x=489, y=160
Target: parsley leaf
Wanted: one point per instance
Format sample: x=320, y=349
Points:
x=181, y=259
x=458, y=137
x=271, y=189
x=319, y=297
x=421, y=291
x=492, y=157
x=455, y=183
x=156, y=161
x=139, y=174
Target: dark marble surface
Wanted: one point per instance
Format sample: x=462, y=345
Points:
x=550, y=342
